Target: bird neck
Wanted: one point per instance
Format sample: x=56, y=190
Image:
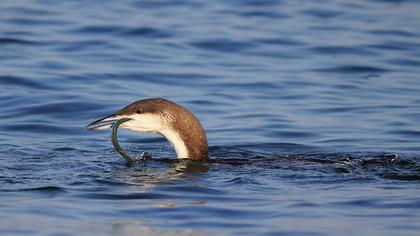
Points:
x=190, y=145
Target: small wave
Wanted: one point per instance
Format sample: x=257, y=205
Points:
x=39, y=128
x=61, y=109
x=21, y=81
x=98, y=29
x=353, y=69
x=109, y=182
x=280, y=41
x=342, y=50
x=47, y=189
x=82, y=45
x=241, y=181
x=148, y=32
x=9, y=41
x=393, y=32
x=130, y=196
x=223, y=45
x=396, y=45
x=322, y=13
x=264, y=14
x=192, y=189
x=404, y=62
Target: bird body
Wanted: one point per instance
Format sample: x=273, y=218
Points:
x=157, y=115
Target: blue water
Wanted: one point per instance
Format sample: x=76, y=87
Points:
x=319, y=100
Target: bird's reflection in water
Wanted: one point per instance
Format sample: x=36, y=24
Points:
x=139, y=227
x=162, y=180
x=155, y=172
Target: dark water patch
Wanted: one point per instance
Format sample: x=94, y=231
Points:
x=46, y=189
x=409, y=63
x=35, y=21
x=208, y=103
x=395, y=46
x=379, y=203
x=82, y=45
x=402, y=33
x=253, y=85
x=281, y=41
x=19, y=34
x=322, y=13
x=223, y=152
x=223, y=45
x=99, y=29
x=55, y=65
x=192, y=189
x=20, y=82
x=148, y=32
x=401, y=177
x=67, y=149
x=167, y=4
x=360, y=203
x=408, y=133
x=340, y=50
x=264, y=14
x=329, y=28
x=110, y=182
x=345, y=109
x=293, y=134
x=16, y=41
x=40, y=128
x=277, y=55
x=129, y=196
x=266, y=115
x=256, y=3
x=238, y=181
x=353, y=69
x=279, y=147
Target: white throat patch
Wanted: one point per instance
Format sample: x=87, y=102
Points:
x=176, y=142
x=155, y=124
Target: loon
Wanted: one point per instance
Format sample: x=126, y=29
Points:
x=157, y=115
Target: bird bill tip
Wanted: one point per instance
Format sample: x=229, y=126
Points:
x=104, y=123
x=98, y=126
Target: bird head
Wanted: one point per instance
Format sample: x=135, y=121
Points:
x=144, y=116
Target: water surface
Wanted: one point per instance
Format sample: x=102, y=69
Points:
x=319, y=102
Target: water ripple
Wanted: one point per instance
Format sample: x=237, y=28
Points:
x=348, y=69
x=311, y=113
x=223, y=45
x=22, y=82
x=131, y=196
x=8, y=41
x=148, y=32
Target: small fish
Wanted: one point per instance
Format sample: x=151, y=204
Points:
x=117, y=146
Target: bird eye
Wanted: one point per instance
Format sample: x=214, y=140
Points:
x=139, y=111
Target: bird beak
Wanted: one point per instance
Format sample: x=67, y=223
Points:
x=104, y=123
